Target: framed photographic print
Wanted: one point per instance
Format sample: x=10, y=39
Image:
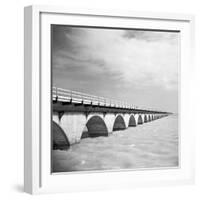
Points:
x=107, y=101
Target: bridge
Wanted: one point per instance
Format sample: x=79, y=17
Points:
x=77, y=115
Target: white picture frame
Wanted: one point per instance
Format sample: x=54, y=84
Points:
x=37, y=172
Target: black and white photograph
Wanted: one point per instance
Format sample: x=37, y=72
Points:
x=114, y=99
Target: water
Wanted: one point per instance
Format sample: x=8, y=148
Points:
x=151, y=145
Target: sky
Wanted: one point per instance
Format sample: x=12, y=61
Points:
x=136, y=66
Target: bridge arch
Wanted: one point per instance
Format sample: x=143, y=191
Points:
x=95, y=114
x=60, y=140
x=132, y=121
x=95, y=127
x=119, y=123
x=145, y=119
x=140, y=120
x=149, y=118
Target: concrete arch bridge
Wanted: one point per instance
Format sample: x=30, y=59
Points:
x=78, y=115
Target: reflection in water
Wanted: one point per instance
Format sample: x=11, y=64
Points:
x=152, y=145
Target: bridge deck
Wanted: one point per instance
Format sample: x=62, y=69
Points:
x=68, y=100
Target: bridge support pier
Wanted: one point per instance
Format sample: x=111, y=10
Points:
x=109, y=120
x=73, y=125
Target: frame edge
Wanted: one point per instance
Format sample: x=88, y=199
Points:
x=28, y=99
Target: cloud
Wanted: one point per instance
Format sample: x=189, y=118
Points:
x=141, y=57
x=152, y=35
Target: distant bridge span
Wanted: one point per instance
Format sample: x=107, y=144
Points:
x=78, y=115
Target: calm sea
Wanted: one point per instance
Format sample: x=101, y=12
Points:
x=151, y=145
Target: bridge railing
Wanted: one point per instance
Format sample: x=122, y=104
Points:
x=65, y=95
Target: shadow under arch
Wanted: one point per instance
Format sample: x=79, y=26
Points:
x=149, y=116
x=95, y=127
x=60, y=140
x=140, y=121
x=119, y=123
x=145, y=119
x=132, y=121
